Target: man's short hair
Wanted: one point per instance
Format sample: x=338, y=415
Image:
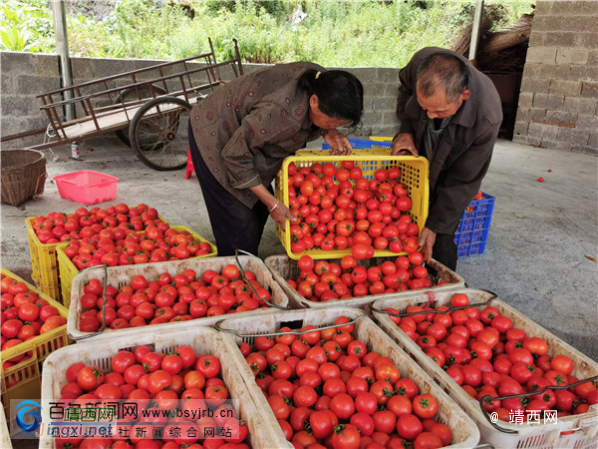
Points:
x=442, y=69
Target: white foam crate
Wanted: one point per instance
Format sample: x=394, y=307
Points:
x=545, y=436
x=283, y=268
x=464, y=430
x=203, y=340
x=122, y=275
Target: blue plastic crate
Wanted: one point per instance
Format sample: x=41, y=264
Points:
x=473, y=229
x=362, y=144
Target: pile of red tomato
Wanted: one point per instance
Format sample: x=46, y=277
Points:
x=181, y=297
x=181, y=381
x=58, y=227
x=326, y=390
x=23, y=316
x=339, y=208
x=114, y=247
x=486, y=355
x=324, y=281
x=118, y=235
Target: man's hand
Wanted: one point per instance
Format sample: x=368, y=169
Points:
x=426, y=241
x=339, y=144
x=404, y=145
x=280, y=214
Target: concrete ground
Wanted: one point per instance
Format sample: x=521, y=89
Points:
x=541, y=252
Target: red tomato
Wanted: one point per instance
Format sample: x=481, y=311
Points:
x=562, y=364
x=443, y=432
x=208, y=365
x=90, y=377
x=459, y=300
x=122, y=360
x=409, y=427
x=427, y=440
x=216, y=395
x=172, y=364
x=502, y=324
x=425, y=406
x=279, y=406
x=400, y=405
x=346, y=436
x=10, y=328
x=321, y=424
x=343, y=406
x=536, y=346
x=407, y=387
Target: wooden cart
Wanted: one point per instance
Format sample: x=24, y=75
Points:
x=147, y=108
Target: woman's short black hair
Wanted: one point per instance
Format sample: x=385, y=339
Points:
x=340, y=94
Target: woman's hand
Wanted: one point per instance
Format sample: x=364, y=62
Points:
x=426, y=241
x=404, y=145
x=280, y=214
x=339, y=144
x=278, y=211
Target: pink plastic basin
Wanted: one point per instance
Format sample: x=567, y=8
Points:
x=86, y=186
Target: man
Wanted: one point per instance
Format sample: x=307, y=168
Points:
x=450, y=113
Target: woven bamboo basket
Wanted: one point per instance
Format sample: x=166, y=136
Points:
x=23, y=175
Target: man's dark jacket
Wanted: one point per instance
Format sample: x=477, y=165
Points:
x=465, y=147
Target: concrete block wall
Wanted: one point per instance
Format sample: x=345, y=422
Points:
x=26, y=75
x=558, y=103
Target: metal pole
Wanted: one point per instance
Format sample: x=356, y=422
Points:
x=62, y=47
x=475, y=30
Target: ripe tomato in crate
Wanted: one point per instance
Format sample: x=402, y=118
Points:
x=188, y=342
x=503, y=337
x=341, y=367
x=338, y=199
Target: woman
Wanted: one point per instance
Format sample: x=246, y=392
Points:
x=240, y=134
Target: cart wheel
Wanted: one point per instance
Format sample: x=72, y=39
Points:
x=156, y=136
x=130, y=95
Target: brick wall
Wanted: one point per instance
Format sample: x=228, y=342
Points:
x=26, y=75
x=558, y=103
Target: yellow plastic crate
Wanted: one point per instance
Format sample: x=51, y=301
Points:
x=23, y=380
x=68, y=270
x=414, y=176
x=381, y=139
x=44, y=261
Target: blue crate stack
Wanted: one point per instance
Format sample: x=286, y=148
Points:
x=362, y=144
x=473, y=229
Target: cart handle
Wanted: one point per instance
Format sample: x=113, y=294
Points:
x=298, y=333
x=130, y=86
x=450, y=309
x=237, y=251
x=522, y=395
x=132, y=72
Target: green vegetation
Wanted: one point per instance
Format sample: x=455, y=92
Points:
x=333, y=33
